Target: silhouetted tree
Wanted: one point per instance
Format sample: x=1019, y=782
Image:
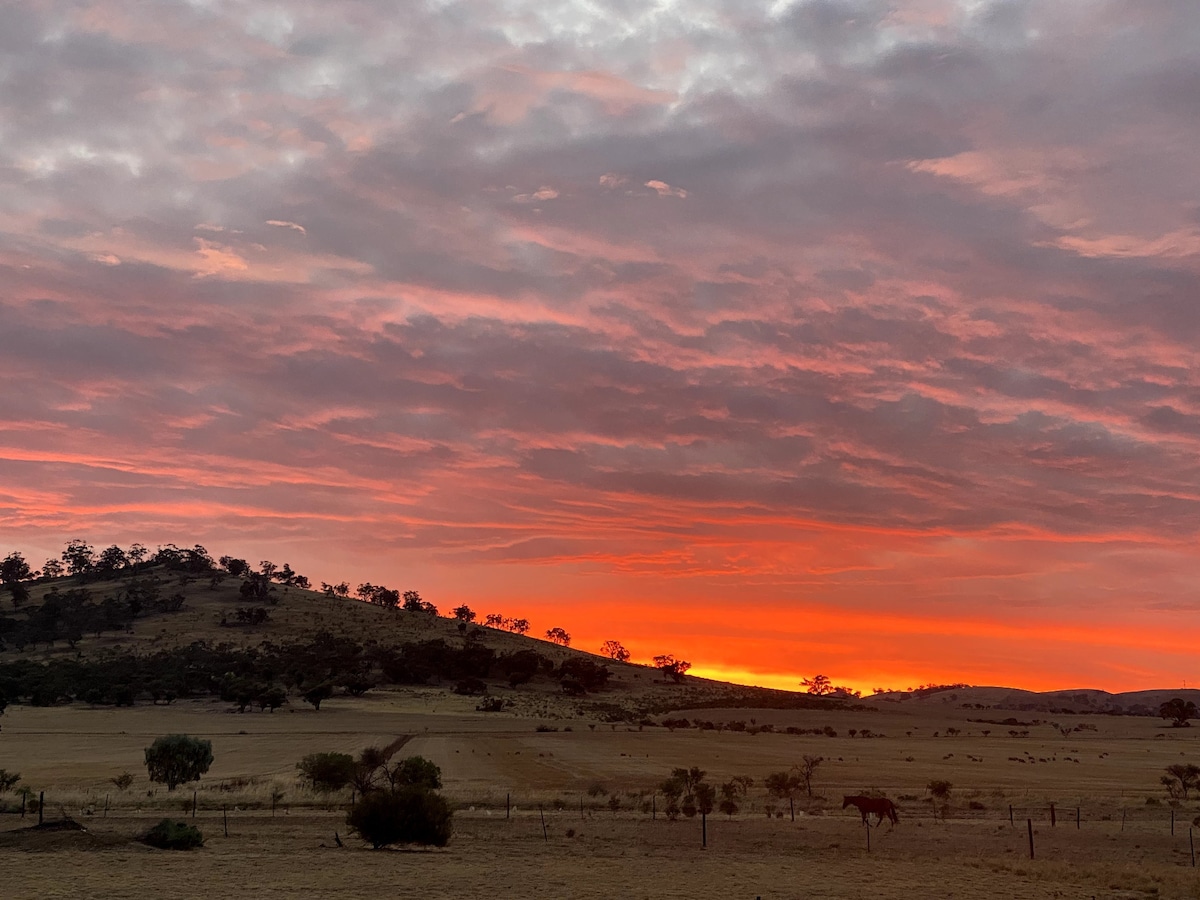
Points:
x=614, y=650
x=111, y=560
x=806, y=770
x=79, y=557
x=464, y=613
x=818, y=685
x=14, y=569
x=234, y=566
x=558, y=636
x=671, y=667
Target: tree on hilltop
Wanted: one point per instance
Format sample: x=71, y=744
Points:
x=615, y=650
x=819, y=685
x=79, y=557
x=671, y=667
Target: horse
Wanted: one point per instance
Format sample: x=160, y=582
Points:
x=881, y=807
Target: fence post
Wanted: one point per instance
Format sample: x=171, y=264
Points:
x=1053, y=818
x=41, y=805
x=1192, y=846
x=194, y=804
x=106, y=806
x=1029, y=822
x=1123, y=811
x=1077, y=818
x=545, y=833
x=654, y=807
x=1172, y=820
x=225, y=818
x=1010, y=816
x=704, y=830
x=507, y=805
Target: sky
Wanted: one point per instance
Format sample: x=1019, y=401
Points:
x=829, y=336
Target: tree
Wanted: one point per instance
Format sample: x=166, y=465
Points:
x=818, y=685
x=558, y=636
x=414, y=603
x=408, y=815
x=8, y=780
x=1179, y=711
x=671, y=667
x=53, y=568
x=785, y=786
x=1180, y=779
x=806, y=770
x=79, y=557
x=614, y=650
x=178, y=758
x=112, y=559
x=464, y=613
x=14, y=569
x=317, y=694
x=234, y=566
x=327, y=771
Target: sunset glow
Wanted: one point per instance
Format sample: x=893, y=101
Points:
x=830, y=336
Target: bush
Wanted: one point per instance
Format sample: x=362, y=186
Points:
x=327, y=771
x=178, y=758
x=168, y=835
x=408, y=815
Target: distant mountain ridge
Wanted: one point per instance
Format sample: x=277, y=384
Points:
x=1073, y=701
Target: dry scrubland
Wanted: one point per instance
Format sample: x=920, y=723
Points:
x=72, y=752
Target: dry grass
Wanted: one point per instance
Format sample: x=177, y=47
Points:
x=72, y=754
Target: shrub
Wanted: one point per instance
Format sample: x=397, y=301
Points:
x=168, y=835
x=178, y=758
x=408, y=815
x=327, y=771
x=939, y=790
x=123, y=781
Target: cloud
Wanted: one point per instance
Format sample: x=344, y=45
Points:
x=292, y=225
x=918, y=348
x=665, y=190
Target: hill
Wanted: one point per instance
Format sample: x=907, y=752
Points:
x=1078, y=701
x=179, y=624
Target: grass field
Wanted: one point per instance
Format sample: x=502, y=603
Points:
x=1123, y=846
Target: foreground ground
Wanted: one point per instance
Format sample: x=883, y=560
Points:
x=1123, y=846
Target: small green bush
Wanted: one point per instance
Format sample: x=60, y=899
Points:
x=168, y=835
x=408, y=815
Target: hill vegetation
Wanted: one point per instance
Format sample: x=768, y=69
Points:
x=128, y=626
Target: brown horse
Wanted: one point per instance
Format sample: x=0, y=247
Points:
x=881, y=807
